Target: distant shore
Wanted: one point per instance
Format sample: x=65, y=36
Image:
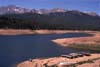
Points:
x=90, y=40
x=28, y=31
x=15, y=32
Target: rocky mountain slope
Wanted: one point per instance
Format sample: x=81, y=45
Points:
x=57, y=18
x=16, y=9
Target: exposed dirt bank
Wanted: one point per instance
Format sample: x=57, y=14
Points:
x=95, y=39
x=27, y=31
x=95, y=63
x=56, y=60
x=14, y=32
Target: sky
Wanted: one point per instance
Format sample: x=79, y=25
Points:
x=82, y=5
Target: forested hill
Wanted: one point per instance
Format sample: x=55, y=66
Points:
x=70, y=20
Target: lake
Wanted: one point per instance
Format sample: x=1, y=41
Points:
x=18, y=48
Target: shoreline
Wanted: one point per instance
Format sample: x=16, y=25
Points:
x=15, y=32
x=62, y=42
x=28, y=31
x=55, y=60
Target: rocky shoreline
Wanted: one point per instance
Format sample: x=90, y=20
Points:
x=55, y=60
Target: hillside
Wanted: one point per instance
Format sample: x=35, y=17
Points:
x=69, y=20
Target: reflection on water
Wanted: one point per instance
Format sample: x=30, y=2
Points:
x=22, y=47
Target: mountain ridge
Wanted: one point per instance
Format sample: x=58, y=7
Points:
x=57, y=18
x=13, y=9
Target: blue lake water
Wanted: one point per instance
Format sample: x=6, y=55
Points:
x=17, y=48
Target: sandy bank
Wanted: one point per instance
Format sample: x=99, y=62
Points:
x=27, y=31
x=95, y=63
x=56, y=60
x=14, y=32
x=95, y=39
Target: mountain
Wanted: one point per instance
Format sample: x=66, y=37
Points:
x=13, y=9
x=57, y=10
x=70, y=20
x=57, y=18
x=92, y=14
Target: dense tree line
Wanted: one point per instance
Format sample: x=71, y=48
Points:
x=68, y=20
x=14, y=23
